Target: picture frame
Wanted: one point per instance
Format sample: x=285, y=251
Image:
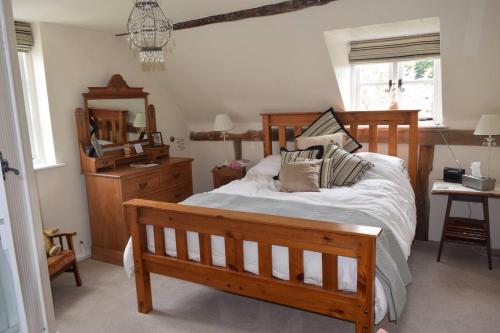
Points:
x=157, y=139
x=97, y=147
x=138, y=148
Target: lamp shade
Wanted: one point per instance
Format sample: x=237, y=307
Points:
x=222, y=123
x=140, y=120
x=489, y=124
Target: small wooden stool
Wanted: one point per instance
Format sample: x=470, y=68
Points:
x=465, y=230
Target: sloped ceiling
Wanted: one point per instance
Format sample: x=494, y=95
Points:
x=281, y=63
x=112, y=15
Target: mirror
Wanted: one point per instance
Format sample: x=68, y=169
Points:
x=118, y=121
x=116, y=115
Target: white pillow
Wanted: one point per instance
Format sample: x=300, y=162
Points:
x=327, y=141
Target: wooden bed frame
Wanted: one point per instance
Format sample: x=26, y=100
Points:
x=330, y=239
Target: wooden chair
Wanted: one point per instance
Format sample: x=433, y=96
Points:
x=65, y=261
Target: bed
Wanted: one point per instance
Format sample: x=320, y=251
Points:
x=216, y=239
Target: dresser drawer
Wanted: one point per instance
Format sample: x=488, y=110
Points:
x=175, y=194
x=138, y=186
x=176, y=175
x=101, y=163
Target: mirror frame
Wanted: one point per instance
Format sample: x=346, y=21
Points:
x=118, y=88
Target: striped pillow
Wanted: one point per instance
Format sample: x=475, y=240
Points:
x=328, y=123
x=341, y=168
x=311, y=153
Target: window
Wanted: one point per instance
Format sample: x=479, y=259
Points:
x=416, y=82
x=39, y=127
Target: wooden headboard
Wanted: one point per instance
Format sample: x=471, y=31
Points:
x=112, y=124
x=352, y=120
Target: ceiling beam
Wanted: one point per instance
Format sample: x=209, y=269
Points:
x=267, y=10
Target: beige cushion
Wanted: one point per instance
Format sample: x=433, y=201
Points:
x=300, y=176
x=327, y=141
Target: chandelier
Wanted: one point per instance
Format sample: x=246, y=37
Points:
x=149, y=31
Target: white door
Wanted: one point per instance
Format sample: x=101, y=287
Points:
x=26, y=301
x=10, y=292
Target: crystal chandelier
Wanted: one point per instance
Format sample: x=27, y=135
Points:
x=149, y=31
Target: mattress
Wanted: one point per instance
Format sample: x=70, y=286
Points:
x=385, y=193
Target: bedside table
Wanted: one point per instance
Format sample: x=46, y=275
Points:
x=225, y=175
x=465, y=230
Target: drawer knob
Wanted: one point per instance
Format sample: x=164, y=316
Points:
x=176, y=175
x=143, y=184
x=178, y=194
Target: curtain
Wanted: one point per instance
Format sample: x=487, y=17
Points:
x=395, y=48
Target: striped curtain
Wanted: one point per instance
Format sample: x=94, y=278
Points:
x=24, y=36
x=395, y=49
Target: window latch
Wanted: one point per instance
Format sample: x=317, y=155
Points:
x=6, y=168
x=400, y=85
x=390, y=86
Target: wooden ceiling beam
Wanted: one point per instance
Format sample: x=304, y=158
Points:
x=267, y=10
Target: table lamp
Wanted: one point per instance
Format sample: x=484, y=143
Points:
x=223, y=124
x=488, y=125
x=140, y=122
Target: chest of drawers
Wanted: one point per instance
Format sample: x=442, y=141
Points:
x=171, y=181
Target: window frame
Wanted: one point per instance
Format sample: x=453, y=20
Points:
x=395, y=73
x=39, y=124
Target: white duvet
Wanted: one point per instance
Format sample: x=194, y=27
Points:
x=384, y=193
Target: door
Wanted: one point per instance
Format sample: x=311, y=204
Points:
x=26, y=301
x=10, y=292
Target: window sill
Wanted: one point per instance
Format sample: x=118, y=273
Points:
x=41, y=167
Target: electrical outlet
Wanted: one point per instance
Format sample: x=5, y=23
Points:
x=84, y=251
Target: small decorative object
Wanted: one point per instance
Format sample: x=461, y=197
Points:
x=149, y=30
x=157, y=139
x=488, y=125
x=97, y=147
x=138, y=148
x=223, y=124
x=238, y=164
x=51, y=249
x=140, y=122
x=234, y=165
x=127, y=150
x=394, y=101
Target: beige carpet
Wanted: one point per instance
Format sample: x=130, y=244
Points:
x=457, y=295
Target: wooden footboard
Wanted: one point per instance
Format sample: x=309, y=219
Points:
x=330, y=239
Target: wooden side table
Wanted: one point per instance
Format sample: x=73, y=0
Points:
x=225, y=175
x=465, y=230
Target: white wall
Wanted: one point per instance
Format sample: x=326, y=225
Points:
x=75, y=59
x=281, y=63
x=270, y=64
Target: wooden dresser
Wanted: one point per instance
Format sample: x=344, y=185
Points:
x=108, y=116
x=171, y=181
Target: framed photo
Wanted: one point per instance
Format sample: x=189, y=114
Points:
x=157, y=139
x=138, y=148
x=97, y=147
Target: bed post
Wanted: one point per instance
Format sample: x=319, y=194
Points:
x=142, y=278
x=266, y=135
x=413, y=149
x=365, y=321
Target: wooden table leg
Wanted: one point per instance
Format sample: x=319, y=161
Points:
x=486, y=213
x=445, y=226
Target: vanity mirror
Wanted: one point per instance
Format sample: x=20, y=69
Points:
x=111, y=117
x=118, y=121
